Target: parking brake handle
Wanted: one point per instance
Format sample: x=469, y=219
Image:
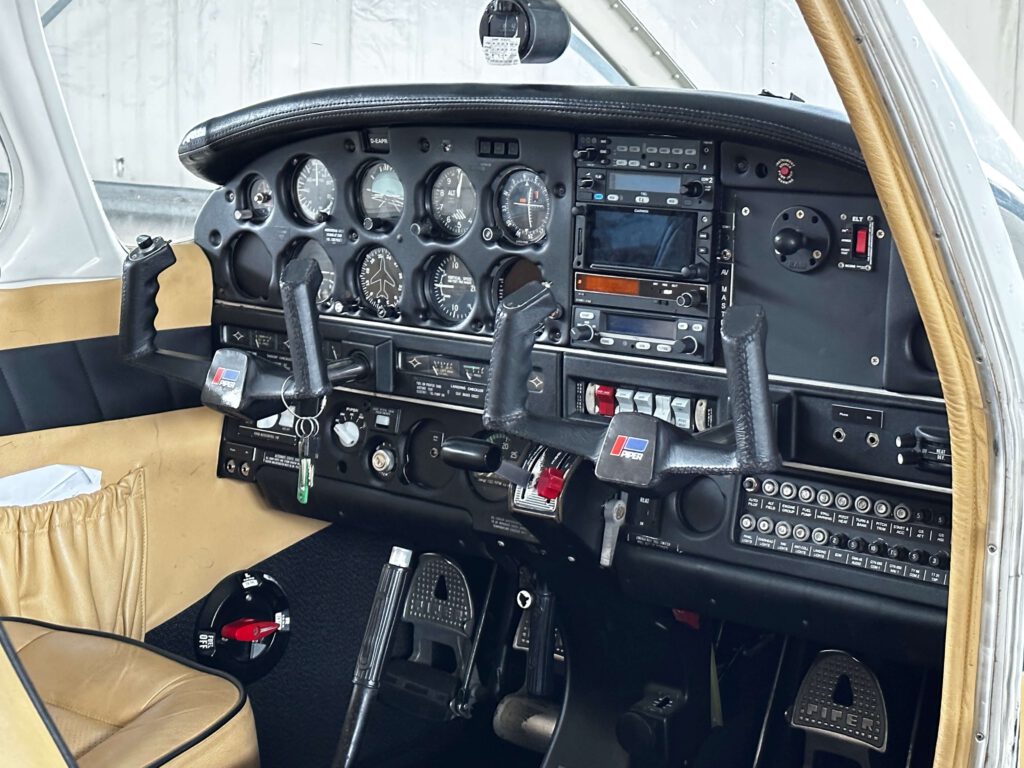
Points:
x=637, y=450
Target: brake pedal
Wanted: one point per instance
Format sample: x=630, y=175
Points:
x=841, y=707
x=439, y=606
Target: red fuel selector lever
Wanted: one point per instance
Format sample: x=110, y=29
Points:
x=248, y=630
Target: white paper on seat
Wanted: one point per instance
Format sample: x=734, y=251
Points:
x=55, y=482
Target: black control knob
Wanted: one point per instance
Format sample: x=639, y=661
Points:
x=908, y=440
x=788, y=241
x=582, y=333
x=856, y=544
x=696, y=271
x=585, y=153
x=917, y=556
x=939, y=560
x=897, y=553
x=908, y=457
x=688, y=299
x=838, y=540
x=694, y=189
x=877, y=547
x=688, y=345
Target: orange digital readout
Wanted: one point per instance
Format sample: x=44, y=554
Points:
x=623, y=286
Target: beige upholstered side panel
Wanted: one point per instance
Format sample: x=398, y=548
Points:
x=47, y=314
x=968, y=423
x=200, y=528
x=80, y=562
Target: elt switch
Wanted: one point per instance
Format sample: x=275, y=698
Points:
x=860, y=241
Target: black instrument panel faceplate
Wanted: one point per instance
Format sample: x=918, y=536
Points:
x=829, y=328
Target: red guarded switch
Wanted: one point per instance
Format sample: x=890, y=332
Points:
x=860, y=242
x=248, y=630
x=550, y=483
x=604, y=397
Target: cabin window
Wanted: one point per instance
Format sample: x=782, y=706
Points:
x=137, y=76
x=6, y=183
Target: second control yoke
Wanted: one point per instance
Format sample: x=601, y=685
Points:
x=637, y=450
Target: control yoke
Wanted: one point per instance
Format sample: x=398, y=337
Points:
x=636, y=450
x=235, y=382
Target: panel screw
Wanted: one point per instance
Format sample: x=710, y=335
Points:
x=875, y=360
x=745, y=210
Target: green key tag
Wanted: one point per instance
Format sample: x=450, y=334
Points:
x=305, y=480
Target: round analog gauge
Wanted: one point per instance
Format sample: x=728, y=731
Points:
x=524, y=207
x=260, y=200
x=453, y=201
x=315, y=191
x=451, y=289
x=511, y=275
x=380, y=281
x=490, y=486
x=381, y=196
x=315, y=251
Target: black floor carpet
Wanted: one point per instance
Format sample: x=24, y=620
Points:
x=330, y=579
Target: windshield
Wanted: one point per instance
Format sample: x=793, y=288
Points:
x=741, y=46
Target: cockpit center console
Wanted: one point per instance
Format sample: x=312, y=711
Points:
x=644, y=270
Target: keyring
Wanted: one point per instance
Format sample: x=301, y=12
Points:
x=291, y=410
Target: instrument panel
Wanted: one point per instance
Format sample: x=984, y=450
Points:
x=645, y=240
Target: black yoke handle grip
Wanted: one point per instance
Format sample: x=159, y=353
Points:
x=139, y=287
x=515, y=329
x=137, y=331
x=744, y=331
x=299, y=285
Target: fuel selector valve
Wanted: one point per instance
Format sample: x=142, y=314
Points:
x=636, y=450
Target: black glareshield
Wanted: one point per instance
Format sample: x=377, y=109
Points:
x=637, y=450
x=299, y=285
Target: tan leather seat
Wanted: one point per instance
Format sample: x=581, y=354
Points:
x=118, y=702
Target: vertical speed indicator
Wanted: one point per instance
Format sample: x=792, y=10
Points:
x=450, y=287
x=524, y=207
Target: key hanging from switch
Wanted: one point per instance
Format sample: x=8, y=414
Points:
x=614, y=517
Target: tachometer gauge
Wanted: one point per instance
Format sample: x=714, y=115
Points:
x=450, y=287
x=315, y=251
x=453, y=201
x=380, y=281
x=315, y=191
x=381, y=196
x=524, y=207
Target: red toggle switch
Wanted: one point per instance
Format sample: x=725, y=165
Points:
x=550, y=482
x=604, y=398
x=248, y=630
x=860, y=242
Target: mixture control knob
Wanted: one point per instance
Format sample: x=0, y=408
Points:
x=347, y=433
x=383, y=460
x=582, y=332
x=688, y=345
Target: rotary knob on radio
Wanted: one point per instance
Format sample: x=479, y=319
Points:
x=582, y=332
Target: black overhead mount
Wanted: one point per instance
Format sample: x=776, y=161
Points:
x=637, y=450
x=235, y=382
